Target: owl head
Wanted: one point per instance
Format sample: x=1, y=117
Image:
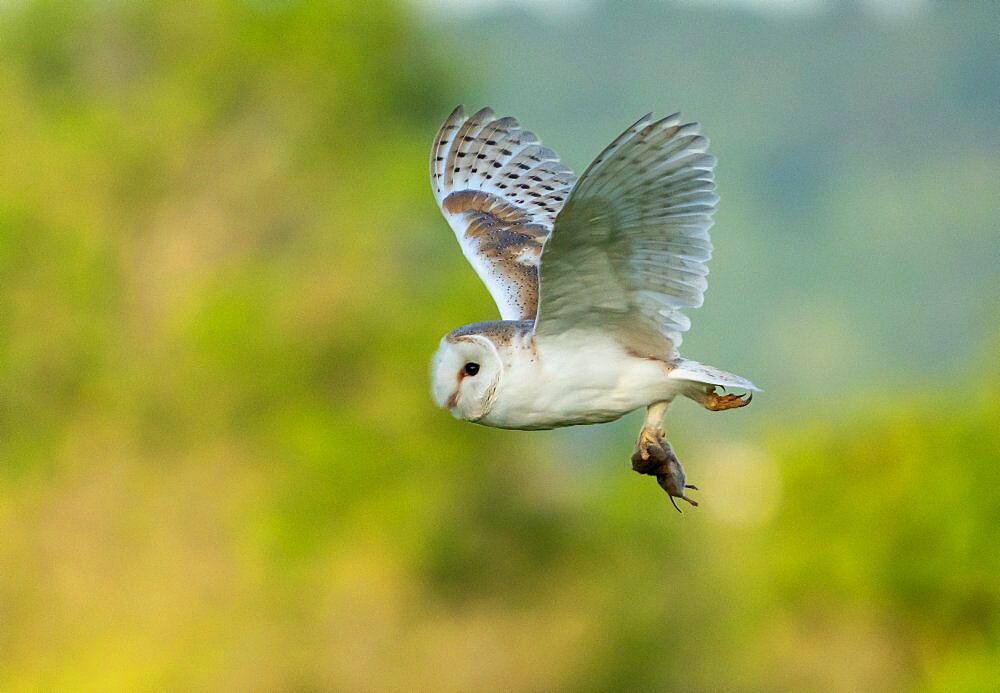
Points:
x=465, y=374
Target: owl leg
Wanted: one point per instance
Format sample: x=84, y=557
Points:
x=654, y=456
x=650, y=435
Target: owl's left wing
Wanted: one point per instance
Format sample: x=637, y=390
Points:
x=500, y=191
x=630, y=246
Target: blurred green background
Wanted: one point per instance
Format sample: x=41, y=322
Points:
x=222, y=275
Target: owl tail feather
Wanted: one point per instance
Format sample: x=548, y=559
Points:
x=685, y=369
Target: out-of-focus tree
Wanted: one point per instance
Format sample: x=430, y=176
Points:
x=884, y=553
x=210, y=361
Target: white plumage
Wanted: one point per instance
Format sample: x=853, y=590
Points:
x=590, y=277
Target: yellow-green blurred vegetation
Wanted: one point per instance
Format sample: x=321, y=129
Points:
x=222, y=275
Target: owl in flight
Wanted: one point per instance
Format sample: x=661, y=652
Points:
x=590, y=275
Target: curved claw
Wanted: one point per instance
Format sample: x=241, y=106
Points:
x=713, y=401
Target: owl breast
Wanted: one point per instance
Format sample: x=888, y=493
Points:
x=572, y=379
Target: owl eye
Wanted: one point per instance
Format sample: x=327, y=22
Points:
x=471, y=368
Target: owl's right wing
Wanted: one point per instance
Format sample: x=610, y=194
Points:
x=630, y=246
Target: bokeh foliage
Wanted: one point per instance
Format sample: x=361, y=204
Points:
x=222, y=277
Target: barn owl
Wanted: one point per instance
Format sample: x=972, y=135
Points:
x=590, y=275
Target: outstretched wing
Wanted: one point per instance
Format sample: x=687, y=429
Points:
x=500, y=191
x=630, y=246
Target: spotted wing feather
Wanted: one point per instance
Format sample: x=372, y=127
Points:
x=500, y=191
x=630, y=246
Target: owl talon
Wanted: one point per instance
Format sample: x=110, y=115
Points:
x=713, y=401
x=647, y=449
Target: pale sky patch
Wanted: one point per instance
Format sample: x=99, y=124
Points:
x=882, y=9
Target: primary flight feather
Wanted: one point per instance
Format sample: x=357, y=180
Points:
x=590, y=276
